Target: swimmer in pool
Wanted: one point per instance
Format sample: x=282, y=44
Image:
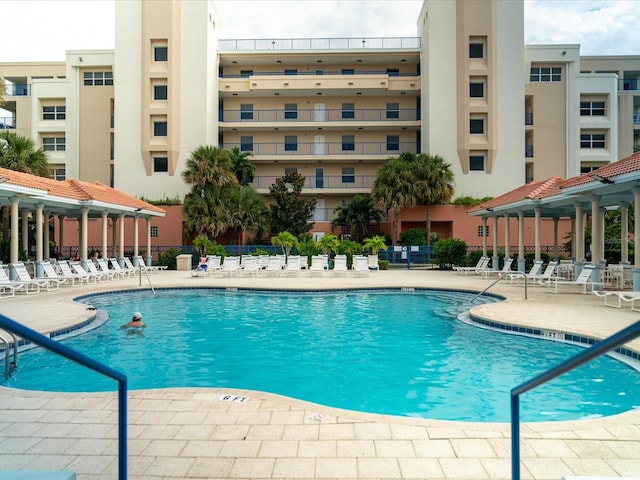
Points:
x=135, y=325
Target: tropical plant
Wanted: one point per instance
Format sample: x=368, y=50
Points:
x=470, y=201
x=249, y=212
x=434, y=180
x=449, y=251
x=394, y=188
x=286, y=241
x=329, y=244
x=375, y=244
x=290, y=211
x=206, y=212
x=242, y=166
x=209, y=166
x=168, y=258
x=413, y=236
x=201, y=242
x=357, y=215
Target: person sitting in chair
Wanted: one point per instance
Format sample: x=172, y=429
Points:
x=202, y=264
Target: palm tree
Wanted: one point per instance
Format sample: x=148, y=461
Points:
x=21, y=155
x=207, y=212
x=375, y=243
x=434, y=181
x=329, y=244
x=249, y=212
x=242, y=166
x=357, y=214
x=209, y=166
x=286, y=240
x=394, y=188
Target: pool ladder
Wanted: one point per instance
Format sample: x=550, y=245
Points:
x=500, y=277
x=9, y=366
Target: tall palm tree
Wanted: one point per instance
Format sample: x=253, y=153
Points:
x=434, y=182
x=207, y=212
x=394, y=188
x=241, y=165
x=209, y=166
x=249, y=212
x=359, y=213
x=22, y=155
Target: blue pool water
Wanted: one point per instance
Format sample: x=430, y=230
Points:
x=391, y=352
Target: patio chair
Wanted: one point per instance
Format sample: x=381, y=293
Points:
x=482, y=263
x=250, y=265
x=340, y=265
x=53, y=276
x=615, y=298
x=76, y=279
x=8, y=288
x=317, y=264
x=530, y=277
x=150, y=268
x=293, y=266
x=230, y=266
x=361, y=265
x=33, y=285
x=506, y=269
x=101, y=275
x=373, y=262
x=274, y=266
x=580, y=284
x=103, y=266
x=125, y=272
x=546, y=276
x=78, y=269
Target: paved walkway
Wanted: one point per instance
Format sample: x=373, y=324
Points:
x=193, y=434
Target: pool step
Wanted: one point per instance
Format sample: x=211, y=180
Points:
x=37, y=475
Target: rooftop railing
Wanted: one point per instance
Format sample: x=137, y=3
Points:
x=358, y=43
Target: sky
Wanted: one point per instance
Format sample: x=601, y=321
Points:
x=601, y=27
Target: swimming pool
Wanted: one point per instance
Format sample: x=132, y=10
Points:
x=382, y=351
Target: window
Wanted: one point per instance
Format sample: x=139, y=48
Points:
x=290, y=143
x=592, y=109
x=160, y=164
x=481, y=230
x=393, y=142
x=246, y=73
x=246, y=111
x=154, y=231
x=476, y=89
x=348, y=175
x=348, y=71
x=160, y=54
x=546, y=74
x=476, y=50
x=290, y=170
x=348, y=142
x=54, y=113
x=291, y=71
x=393, y=110
x=98, y=79
x=476, y=162
x=592, y=140
x=393, y=72
x=58, y=173
x=348, y=110
x=476, y=126
x=246, y=143
x=290, y=111
x=54, y=144
x=160, y=129
x=319, y=71
x=159, y=92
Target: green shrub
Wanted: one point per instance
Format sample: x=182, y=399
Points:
x=383, y=264
x=449, y=252
x=168, y=258
x=414, y=236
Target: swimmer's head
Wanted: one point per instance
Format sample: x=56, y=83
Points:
x=137, y=316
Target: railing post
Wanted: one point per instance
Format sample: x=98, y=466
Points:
x=515, y=437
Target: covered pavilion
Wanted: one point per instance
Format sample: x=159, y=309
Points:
x=613, y=186
x=42, y=198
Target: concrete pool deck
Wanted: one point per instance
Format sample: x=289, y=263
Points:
x=191, y=433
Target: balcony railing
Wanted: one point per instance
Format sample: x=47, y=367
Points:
x=347, y=182
x=629, y=84
x=17, y=90
x=528, y=118
x=319, y=43
x=7, y=123
x=528, y=151
x=321, y=72
x=326, y=148
x=636, y=118
x=330, y=115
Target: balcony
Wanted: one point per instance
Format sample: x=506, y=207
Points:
x=7, y=123
x=385, y=149
x=528, y=151
x=327, y=115
x=350, y=183
x=528, y=118
x=629, y=84
x=369, y=43
x=17, y=90
x=636, y=118
x=320, y=73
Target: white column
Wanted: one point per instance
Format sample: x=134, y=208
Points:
x=537, y=232
x=595, y=229
x=556, y=251
x=484, y=236
x=39, y=207
x=24, y=217
x=602, y=213
x=624, y=232
x=579, y=233
x=46, y=239
x=15, y=214
x=135, y=236
x=84, y=229
x=121, y=222
x=105, y=226
x=507, y=233
x=521, y=259
x=148, y=260
x=494, y=260
x=61, y=219
x=572, y=234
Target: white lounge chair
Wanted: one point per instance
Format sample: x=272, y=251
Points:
x=481, y=265
x=76, y=279
x=150, y=268
x=373, y=262
x=103, y=266
x=230, y=266
x=78, y=269
x=250, y=266
x=54, y=277
x=125, y=272
x=293, y=266
x=274, y=266
x=546, y=276
x=317, y=264
x=518, y=277
x=506, y=269
x=340, y=264
x=580, y=284
x=8, y=287
x=34, y=285
x=101, y=275
x=361, y=265
x=615, y=298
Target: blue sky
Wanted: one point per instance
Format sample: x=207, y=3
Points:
x=601, y=27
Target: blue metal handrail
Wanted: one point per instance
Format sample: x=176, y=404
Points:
x=39, y=339
x=597, y=350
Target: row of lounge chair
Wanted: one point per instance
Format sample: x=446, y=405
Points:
x=250, y=265
x=68, y=273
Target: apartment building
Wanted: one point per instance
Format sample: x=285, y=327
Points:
x=333, y=109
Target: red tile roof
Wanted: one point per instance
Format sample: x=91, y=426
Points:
x=626, y=165
x=77, y=190
x=529, y=191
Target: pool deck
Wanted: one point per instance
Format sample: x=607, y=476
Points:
x=190, y=433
